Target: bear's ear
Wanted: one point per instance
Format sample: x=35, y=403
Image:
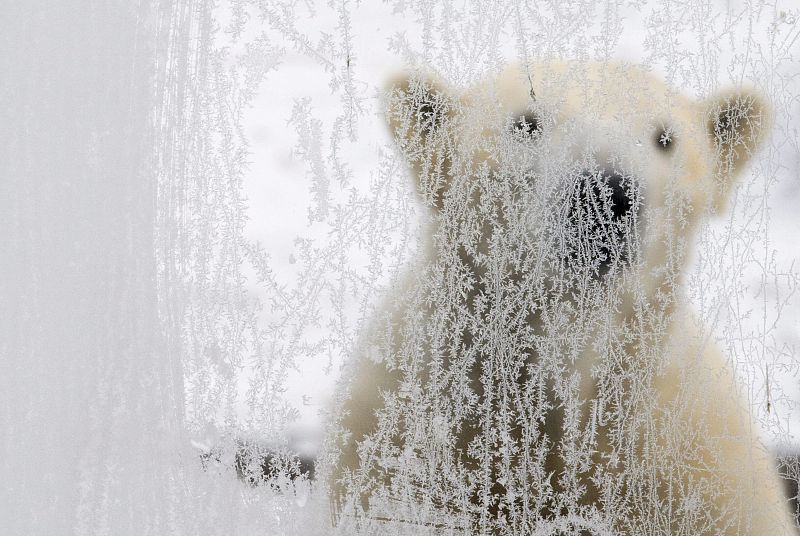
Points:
x=737, y=122
x=419, y=113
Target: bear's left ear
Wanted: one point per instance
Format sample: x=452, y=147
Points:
x=737, y=122
x=420, y=110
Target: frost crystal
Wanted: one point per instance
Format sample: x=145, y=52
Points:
x=545, y=248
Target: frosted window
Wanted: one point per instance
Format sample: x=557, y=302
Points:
x=399, y=267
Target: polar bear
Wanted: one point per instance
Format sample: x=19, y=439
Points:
x=535, y=370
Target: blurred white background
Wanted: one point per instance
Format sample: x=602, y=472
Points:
x=280, y=178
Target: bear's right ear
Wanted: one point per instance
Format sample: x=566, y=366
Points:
x=737, y=121
x=420, y=112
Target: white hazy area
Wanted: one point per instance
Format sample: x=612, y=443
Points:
x=203, y=204
x=278, y=178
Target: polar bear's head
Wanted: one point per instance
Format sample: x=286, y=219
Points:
x=592, y=167
x=563, y=197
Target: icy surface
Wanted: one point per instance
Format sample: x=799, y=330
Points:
x=202, y=207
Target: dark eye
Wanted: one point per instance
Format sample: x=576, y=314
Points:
x=664, y=139
x=527, y=125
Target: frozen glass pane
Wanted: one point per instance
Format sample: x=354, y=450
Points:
x=399, y=267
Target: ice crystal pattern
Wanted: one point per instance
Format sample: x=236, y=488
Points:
x=214, y=210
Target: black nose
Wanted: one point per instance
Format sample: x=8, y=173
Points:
x=600, y=203
x=607, y=196
x=620, y=198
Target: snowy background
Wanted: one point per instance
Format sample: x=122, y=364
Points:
x=202, y=205
x=280, y=178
